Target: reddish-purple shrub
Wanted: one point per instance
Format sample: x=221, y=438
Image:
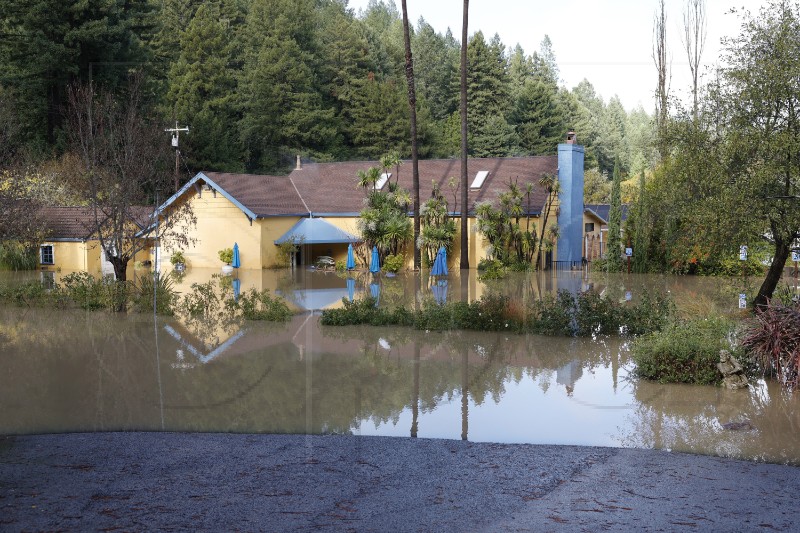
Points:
x=773, y=338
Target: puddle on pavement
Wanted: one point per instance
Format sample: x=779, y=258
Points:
x=96, y=371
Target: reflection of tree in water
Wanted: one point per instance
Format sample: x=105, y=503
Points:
x=690, y=418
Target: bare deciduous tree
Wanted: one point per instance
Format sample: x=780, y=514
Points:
x=124, y=172
x=694, y=41
x=662, y=66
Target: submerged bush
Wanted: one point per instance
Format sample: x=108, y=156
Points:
x=560, y=314
x=772, y=339
x=684, y=352
x=30, y=293
x=363, y=311
x=553, y=315
x=90, y=293
x=150, y=288
x=15, y=255
x=259, y=305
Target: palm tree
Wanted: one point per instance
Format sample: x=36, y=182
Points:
x=464, y=177
x=368, y=178
x=412, y=105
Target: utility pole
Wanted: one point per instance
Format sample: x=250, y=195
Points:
x=175, y=136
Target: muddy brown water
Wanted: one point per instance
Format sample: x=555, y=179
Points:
x=73, y=370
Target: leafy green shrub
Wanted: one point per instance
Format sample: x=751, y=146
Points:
x=90, y=293
x=30, y=293
x=178, y=258
x=685, y=352
x=553, y=315
x=226, y=255
x=154, y=287
x=259, y=305
x=205, y=298
x=489, y=269
x=18, y=256
x=772, y=340
x=651, y=313
x=393, y=263
x=363, y=311
x=595, y=315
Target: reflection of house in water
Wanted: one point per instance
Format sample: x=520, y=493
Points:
x=568, y=374
x=202, y=351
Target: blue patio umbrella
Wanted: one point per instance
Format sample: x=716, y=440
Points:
x=375, y=291
x=237, y=287
x=375, y=264
x=236, y=262
x=440, y=263
x=351, y=260
x=439, y=290
x=351, y=288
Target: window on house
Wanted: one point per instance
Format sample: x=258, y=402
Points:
x=588, y=227
x=46, y=254
x=480, y=177
x=382, y=180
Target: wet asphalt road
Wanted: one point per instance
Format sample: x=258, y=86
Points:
x=226, y=482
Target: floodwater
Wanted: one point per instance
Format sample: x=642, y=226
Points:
x=66, y=371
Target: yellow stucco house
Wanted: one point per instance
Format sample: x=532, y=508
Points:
x=71, y=244
x=595, y=222
x=318, y=205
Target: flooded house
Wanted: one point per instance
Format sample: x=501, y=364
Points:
x=317, y=205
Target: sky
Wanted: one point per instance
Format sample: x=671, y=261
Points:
x=608, y=42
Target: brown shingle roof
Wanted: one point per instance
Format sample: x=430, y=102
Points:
x=329, y=188
x=263, y=195
x=332, y=188
x=67, y=222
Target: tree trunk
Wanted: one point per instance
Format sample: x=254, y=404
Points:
x=464, y=174
x=782, y=250
x=412, y=105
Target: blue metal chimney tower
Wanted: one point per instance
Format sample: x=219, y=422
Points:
x=570, y=216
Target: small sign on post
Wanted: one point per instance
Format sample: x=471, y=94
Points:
x=795, y=256
x=743, y=252
x=742, y=301
x=629, y=252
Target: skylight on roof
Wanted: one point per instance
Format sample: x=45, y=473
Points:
x=480, y=177
x=382, y=180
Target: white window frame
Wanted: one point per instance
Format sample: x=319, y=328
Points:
x=52, y=254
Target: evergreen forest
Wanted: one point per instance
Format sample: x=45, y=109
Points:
x=259, y=82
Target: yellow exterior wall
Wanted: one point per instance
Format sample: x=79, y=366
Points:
x=83, y=256
x=594, y=236
x=272, y=228
x=220, y=224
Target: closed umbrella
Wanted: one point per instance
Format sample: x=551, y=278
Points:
x=351, y=260
x=236, y=262
x=440, y=263
x=375, y=264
